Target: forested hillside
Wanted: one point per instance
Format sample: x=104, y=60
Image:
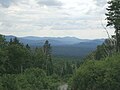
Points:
x=64, y=46
x=24, y=69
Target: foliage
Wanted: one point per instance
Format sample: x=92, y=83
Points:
x=23, y=68
x=31, y=79
x=113, y=19
x=98, y=75
x=102, y=51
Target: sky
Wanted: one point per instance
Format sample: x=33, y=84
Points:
x=54, y=18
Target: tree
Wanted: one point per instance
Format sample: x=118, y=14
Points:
x=98, y=75
x=3, y=43
x=47, y=49
x=113, y=19
x=3, y=54
x=3, y=59
x=17, y=57
x=47, y=52
x=16, y=41
x=28, y=47
x=39, y=59
x=9, y=82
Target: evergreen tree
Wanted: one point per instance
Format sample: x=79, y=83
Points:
x=47, y=49
x=11, y=41
x=3, y=54
x=16, y=41
x=17, y=56
x=113, y=19
x=27, y=46
x=3, y=43
x=47, y=52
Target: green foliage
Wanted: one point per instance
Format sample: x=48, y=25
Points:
x=38, y=59
x=22, y=68
x=8, y=82
x=17, y=56
x=1, y=85
x=31, y=79
x=102, y=51
x=3, y=59
x=113, y=19
x=65, y=67
x=3, y=54
x=47, y=53
x=113, y=13
x=53, y=82
x=3, y=43
x=98, y=75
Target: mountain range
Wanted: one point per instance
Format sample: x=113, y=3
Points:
x=62, y=46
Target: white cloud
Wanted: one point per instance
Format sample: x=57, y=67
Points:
x=49, y=3
x=74, y=16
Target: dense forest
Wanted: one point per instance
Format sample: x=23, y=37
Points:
x=26, y=68
x=23, y=68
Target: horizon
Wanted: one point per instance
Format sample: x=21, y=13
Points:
x=53, y=37
x=100, y=35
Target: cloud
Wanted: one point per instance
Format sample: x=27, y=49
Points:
x=49, y=3
x=101, y=2
x=7, y=3
x=28, y=16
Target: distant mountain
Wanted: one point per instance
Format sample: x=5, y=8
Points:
x=9, y=37
x=90, y=43
x=55, y=41
x=25, y=41
x=63, y=46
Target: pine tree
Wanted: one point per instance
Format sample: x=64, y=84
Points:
x=47, y=49
x=11, y=41
x=113, y=19
x=16, y=41
x=27, y=46
x=47, y=52
x=3, y=43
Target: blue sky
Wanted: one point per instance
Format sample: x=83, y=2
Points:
x=54, y=18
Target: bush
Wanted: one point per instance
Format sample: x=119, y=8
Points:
x=98, y=75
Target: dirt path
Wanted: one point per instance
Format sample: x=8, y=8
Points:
x=63, y=87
